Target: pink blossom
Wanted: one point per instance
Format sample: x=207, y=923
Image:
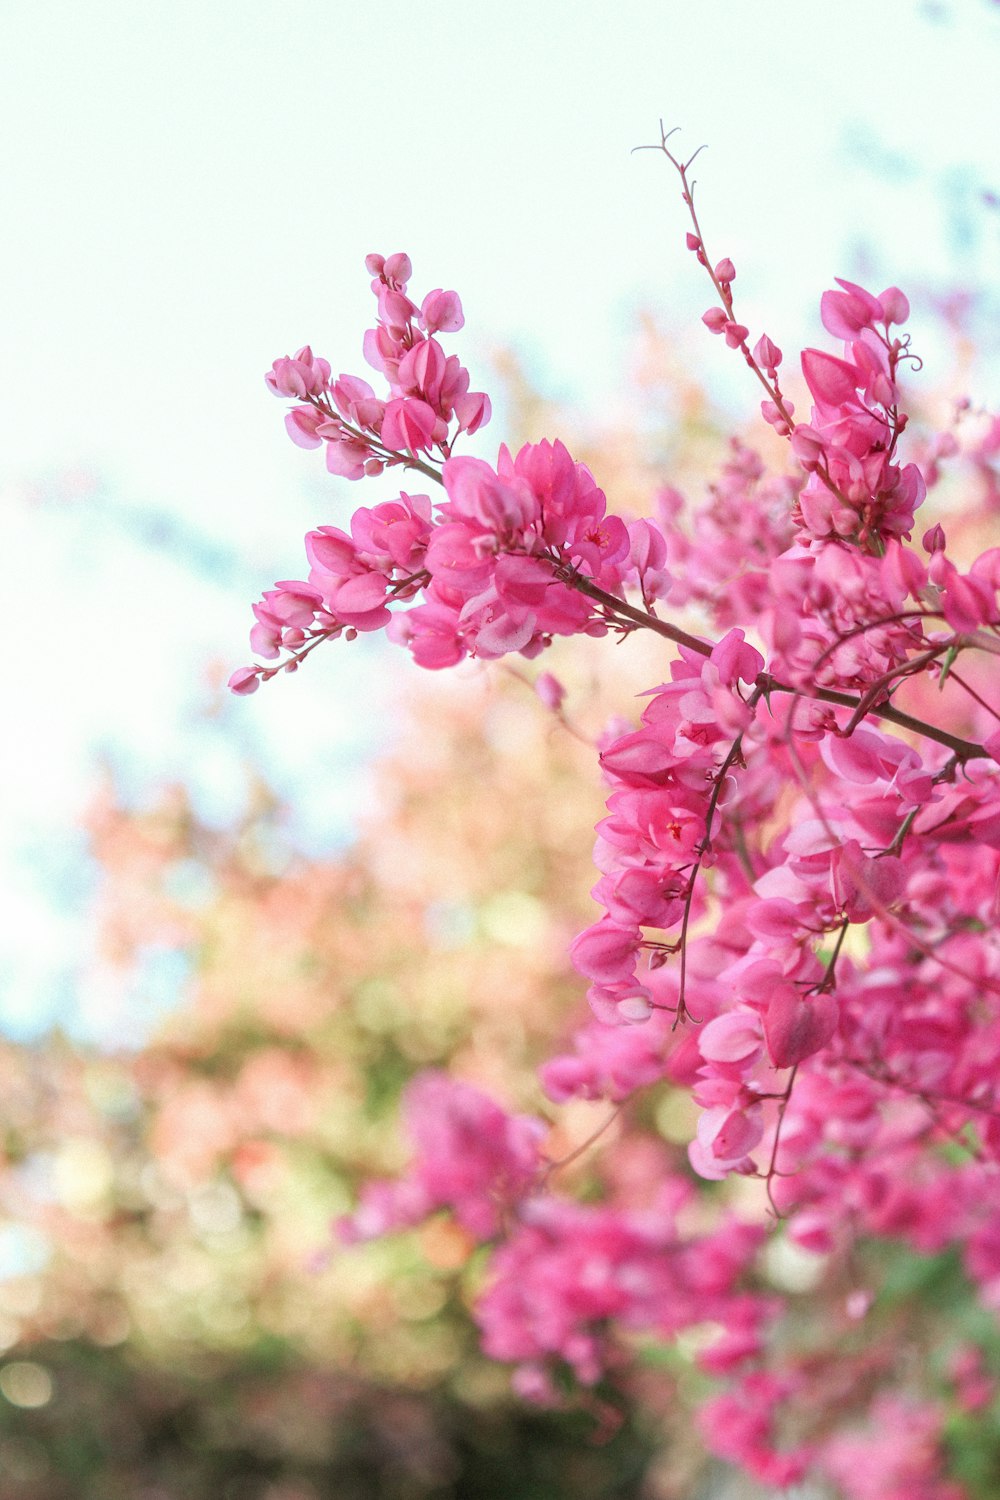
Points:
x=469, y=1154
x=847, y=312
x=408, y=424
x=605, y=952
x=796, y=1026
x=300, y=375
x=245, y=680
x=550, y=690
x=797, y=876
x=767, y=353
x=442, y=310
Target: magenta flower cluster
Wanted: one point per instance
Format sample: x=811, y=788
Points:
x=797, y=876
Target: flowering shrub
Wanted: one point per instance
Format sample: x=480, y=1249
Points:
x=798, y=873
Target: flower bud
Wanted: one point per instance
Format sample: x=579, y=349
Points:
x=244, y=681
x=895, y=306
x=767, y=353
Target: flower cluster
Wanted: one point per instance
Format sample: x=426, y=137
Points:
x=470, y=1157
x=798, y=866
x=668, y=778
x=429, y=401
x=569, y=1270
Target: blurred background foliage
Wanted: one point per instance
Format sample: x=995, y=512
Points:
x=173, y=1322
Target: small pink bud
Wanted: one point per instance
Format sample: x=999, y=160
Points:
x=725, y=271
x=550, y=690
x=882, y=390
x=735, y=334
x=693, y=242
x=715, y=319
x=244, y=681
x=933, y=540
x=772, y=415
x=895, y=306
x=767, y=353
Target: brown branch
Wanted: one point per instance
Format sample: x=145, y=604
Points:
x=964, y=749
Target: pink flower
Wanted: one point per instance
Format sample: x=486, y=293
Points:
x=767, y=353
x=442, y=311
x=606, y=952
x=846, y=313
x=550, y=691
x=797, y=1026
x=408, y=425
x=299, y=376
x=245, y=680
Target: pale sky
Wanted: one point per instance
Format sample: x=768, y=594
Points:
x=190, y=189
